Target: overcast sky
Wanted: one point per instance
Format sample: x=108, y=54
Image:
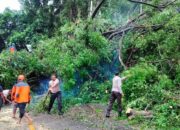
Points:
x=12, y=4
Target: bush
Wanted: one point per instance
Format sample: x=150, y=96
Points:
x=148, y=88
x=92, y=91
x=139, y=83
x=11, y=65
x=167, y=114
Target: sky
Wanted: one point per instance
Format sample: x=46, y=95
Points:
x=12, y=4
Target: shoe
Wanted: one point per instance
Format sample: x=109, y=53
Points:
x=119, y=114
x=107, y=115
x=48, y=113
x=60, y=113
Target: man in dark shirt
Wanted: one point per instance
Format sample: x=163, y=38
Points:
x=1, y=89
x=1, y=97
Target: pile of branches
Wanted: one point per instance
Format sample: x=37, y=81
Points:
x=132, y=25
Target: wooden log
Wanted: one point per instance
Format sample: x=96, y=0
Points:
x=132, y=113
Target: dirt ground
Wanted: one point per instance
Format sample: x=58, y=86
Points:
x=84, y=117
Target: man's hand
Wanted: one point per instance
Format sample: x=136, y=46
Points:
x=122, y=94
x=29, y=101
x=130, y=75
x=8, y=100
x=13, y=103
x=126, y=77
x=49, y=91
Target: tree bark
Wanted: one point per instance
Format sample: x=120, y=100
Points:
x=74, y=10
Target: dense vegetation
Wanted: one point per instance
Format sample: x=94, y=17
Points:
x=79, y=48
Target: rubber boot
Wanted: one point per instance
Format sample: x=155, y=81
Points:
x=60, y=113
x=107, y=114
x=119, y=114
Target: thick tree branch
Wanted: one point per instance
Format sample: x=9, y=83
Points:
x=145, y=3
x=126, y=25
x=95, y=12
x=159, y=7
x=120, y=32
x=120, y=52
x=131, y=24
x=134, y=27
x=97, y=9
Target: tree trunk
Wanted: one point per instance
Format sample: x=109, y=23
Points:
x=131, y=113
x=74, y=10
x=2, y=44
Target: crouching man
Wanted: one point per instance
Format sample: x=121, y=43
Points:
x=7, y=96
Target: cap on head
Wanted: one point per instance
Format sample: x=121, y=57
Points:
x=21, y=78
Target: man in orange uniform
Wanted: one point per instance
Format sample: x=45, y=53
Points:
x=22, y=97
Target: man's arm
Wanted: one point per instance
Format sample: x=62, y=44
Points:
x=6, y=99
x=29, y=92
x=126, y=77
x=56, y=82
x=13, y=93
x=49, y=88
x=123, y=78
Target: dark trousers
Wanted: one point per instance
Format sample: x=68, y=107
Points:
x=1, y=101
x=115, y=96
x=22, y=107
x=52, y=99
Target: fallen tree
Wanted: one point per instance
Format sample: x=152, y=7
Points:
x=132, y=113
x=132, y=25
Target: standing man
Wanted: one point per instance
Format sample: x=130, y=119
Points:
x=116, y=94
x=54, y=90
x=22, y=97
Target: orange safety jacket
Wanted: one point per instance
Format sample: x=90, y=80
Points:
x=13, y=93
x=21, y=93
